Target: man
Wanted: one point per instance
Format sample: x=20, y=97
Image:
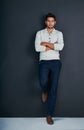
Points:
x=49, y=42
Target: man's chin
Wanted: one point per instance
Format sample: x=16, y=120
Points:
x=50, y=27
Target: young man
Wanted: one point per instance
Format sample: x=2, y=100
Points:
x=49, y=42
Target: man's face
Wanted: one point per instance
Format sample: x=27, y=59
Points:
x=50, y=22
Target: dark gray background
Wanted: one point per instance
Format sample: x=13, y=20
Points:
x=19, y=85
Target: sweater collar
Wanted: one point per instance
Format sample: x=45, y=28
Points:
x=51, y=32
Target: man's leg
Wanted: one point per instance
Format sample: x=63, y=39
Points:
x=43, y=79
x=55, y=71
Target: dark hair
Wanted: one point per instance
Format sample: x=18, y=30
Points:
x=50, y=15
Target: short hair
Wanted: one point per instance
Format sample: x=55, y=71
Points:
x=50, y=15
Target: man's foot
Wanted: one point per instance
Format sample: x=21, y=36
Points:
x=44, y=97
x=49, y=120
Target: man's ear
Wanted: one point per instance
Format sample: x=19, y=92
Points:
x=55, y=22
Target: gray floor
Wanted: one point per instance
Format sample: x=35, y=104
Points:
x=40, y=124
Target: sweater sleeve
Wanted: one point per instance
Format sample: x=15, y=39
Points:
x=38, y=47
x=60, y=43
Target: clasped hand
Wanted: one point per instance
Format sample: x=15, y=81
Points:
x=44, y=43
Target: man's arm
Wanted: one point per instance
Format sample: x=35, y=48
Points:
x=48, y=44
x=56, y=46
x=38, y=46
x=59, y=46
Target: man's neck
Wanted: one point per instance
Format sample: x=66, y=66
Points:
x=50, y=30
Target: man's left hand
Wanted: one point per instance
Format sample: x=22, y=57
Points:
x=44, y=43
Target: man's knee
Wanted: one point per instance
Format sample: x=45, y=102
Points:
x=43, y=82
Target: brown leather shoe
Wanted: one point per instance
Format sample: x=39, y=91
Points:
x=49, y=120
x=44, y=97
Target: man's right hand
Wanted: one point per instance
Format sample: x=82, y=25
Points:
x=48, y=48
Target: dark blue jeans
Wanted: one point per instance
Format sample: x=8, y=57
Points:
x=49, y=71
